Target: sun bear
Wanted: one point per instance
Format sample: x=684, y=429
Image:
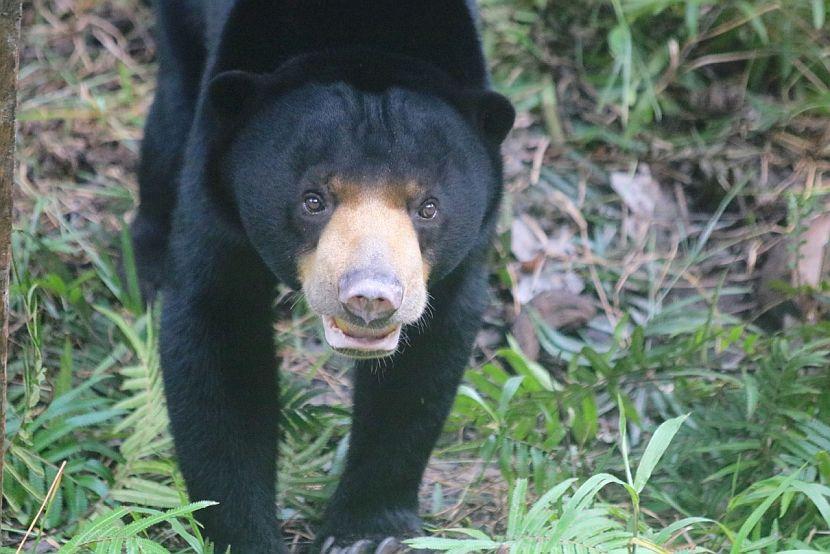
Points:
x=348, y=149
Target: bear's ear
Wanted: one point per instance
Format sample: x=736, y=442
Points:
x=231, y=92
x=492, y=113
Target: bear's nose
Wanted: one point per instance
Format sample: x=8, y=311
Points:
x=370, y=295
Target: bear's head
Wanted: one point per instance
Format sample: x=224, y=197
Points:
x=361, y=198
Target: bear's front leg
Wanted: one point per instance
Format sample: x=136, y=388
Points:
x=400, y=405
x=219, y=364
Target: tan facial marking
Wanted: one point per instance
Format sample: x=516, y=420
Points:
x=369, y=229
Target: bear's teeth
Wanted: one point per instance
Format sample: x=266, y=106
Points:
x=343, y=341
x=362, y=332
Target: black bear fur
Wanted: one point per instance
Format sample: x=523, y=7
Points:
x=251, y=95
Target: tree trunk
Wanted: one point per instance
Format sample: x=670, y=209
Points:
x=10, y=11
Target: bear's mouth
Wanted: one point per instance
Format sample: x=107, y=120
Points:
x=357, y=341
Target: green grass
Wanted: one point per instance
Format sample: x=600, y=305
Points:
x=689, y=413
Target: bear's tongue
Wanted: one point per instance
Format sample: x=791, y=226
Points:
x=348, y=338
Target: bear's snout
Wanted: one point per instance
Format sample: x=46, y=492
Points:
x=366, y=277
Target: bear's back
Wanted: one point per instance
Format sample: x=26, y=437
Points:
x=259, y=35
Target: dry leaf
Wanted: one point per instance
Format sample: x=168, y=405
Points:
x=808, y=269
x=644, y=197
x=814, y=252
x=548, y=278
x=640, y=192
x=558, y=309
x=527, y=238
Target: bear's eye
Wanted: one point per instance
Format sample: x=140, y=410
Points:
x=313, y=203
x=428, y=210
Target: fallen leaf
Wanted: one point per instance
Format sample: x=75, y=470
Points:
x=527, y=238
x=640, y=192
x=558, y=309
x=546, y=278
x=814, y=252
x=804, y=270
